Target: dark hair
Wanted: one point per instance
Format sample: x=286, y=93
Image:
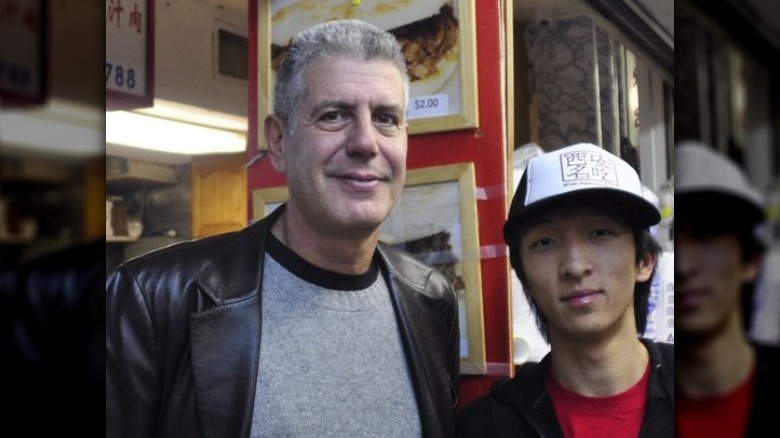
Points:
x=644, y=243
x=629, y=153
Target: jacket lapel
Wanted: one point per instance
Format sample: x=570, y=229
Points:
x=403, y=295
x=225, y=349
x=225, y=338
x=527, y=396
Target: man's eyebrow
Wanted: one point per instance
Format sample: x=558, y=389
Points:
x=388, y=109
x=343, y=105
x=340, y=104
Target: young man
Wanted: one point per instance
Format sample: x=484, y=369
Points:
x=579, y=241
x=302, y=324
x=726, y=384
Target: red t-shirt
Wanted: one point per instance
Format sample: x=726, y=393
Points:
x=617, y=416
x=723, y=416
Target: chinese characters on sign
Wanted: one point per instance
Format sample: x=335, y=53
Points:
x=584, y=166
x=127, y=50
x=21, y=50
x=115, y=11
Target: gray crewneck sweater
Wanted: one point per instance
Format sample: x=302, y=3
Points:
x=331, y=358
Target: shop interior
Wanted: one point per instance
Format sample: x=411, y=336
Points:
x=52, y=174
x=161, y=190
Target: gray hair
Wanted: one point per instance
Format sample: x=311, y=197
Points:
x=327, y=40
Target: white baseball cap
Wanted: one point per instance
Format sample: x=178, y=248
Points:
x=577, y=170
x=699, y=170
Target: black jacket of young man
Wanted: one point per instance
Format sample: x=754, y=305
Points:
x=522, y=407
x=183, y=338
x=763, y=413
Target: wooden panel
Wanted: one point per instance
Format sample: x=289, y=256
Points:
x=219, y=199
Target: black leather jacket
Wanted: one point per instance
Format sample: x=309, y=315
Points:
x=183, y=337
x=52, y=325
x=762, y=409
x=521, y=406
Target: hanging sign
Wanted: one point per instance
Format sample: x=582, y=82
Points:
x=129, y=54
x=22, y=53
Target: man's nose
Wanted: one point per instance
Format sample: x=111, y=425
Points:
x=576, y=261
x=362, y=137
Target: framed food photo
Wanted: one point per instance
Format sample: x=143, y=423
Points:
x=437, y=37
x=436, y=221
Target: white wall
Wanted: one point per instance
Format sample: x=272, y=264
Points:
x=185, y=52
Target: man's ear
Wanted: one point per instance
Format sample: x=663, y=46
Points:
x=646, y=265
x=751, y=268
x=275, y=132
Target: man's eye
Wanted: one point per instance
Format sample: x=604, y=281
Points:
x=386, y=119
x=602, y=232
x=540, y=243
x=332, y=116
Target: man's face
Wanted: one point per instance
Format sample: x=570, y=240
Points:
x=581, y=270
x=709, y=274
x=346, y=160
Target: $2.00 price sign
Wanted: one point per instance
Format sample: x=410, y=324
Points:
x=428, y=106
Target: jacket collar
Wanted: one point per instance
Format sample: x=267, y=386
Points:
x=527, y=395
x=227, y=280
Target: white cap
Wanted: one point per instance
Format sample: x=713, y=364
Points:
x=701, y=170
x=577, y=170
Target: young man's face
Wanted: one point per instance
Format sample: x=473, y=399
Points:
x=581, y=269
x=709, y=273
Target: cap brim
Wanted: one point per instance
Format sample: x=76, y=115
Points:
x=697, y=205
x=638, y=210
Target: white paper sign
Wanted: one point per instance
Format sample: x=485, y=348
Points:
x=766, y=316
x=660, y=314
x=428, y=106
x=665, y=320
x=126, y=35
x=20, y=48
